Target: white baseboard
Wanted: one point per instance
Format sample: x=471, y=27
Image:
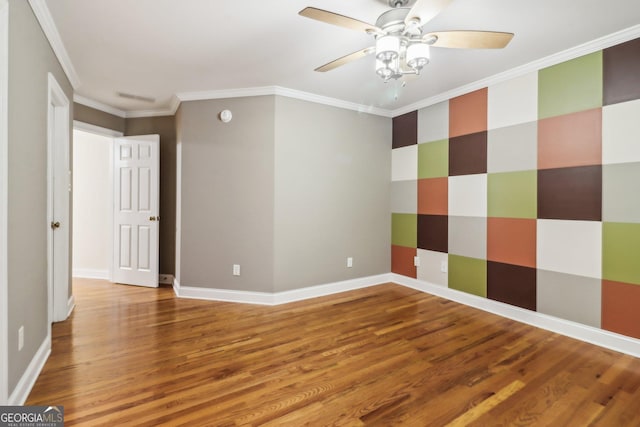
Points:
x=568, y=328
x=87, y=273
x=28, y=379
x=165, y=279
x=275, y=298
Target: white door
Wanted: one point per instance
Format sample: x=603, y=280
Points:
x=58, y=189
x=136, y=210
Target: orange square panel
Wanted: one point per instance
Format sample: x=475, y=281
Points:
x=512, y=241
x=402, y=261
x=433, y=196
x=468, y=113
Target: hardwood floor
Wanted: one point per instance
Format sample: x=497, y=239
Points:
x=380, y=356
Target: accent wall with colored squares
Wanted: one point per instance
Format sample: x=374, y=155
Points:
x=527, y=192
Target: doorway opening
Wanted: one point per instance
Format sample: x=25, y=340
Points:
x=92, y=202
x=115, y=206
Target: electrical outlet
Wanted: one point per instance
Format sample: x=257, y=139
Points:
x=236, y=269
x=443, y=266
x=349, y=262
x=165, y=279
x=20, y=338
x=416, y=261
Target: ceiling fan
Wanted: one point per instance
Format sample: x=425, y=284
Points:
x=401, y=46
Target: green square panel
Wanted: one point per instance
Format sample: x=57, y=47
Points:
x=404, y=230
x=468, y=275
x=433, y=159
x=571, y=86
x=621, y=252
x=512, y=194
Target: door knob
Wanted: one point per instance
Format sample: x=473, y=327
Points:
x=153, y=218
x=55, y=225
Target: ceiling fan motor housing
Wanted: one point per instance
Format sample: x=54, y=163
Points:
x=398, y=3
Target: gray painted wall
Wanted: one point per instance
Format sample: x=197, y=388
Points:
x=30, y=59
x=95, y=117
x=226, y=201
x=164, y=126
x=332, y=194
x=288, y=189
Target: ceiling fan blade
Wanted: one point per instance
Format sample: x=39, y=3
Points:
x=345, y=59
x=470, y=39
x=336, y=19
x=424, y=11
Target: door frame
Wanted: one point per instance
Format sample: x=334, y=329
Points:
x=111, y=134
x=60, y=303
x=4, y=198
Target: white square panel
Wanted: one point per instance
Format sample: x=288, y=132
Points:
x=572, y=247
x=621, y=132
x=430, y=269
x=514, y=101
x=468, y=195
x=433, y=122
x=404, y=163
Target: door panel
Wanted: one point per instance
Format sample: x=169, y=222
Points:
x=136, y=162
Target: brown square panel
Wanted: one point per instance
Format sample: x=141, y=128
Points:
x=570, y=140
x=468, y=154
x=570, y=193
x=402, y=261
x=621, y=72
x=512, y=284
x=433, y=232
x=405, y=130
x=468, y=113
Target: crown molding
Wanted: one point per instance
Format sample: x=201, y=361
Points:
x=566, y=55
x=173, y=107
x=50, y=30
x=281, y=91
x=554, y=59
x=99, y=106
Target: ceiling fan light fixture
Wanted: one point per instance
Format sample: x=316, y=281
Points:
x=387, y=48
x=418, y=55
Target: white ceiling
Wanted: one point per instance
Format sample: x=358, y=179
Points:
x=160, y=48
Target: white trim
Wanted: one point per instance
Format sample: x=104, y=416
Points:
x=97, y=105
x=575, y=330
x=4, y=194
x=277, y=298
x=87, y=273
x=28, y=379
x=173, y=107
x=71, y=304
x=568, y=328
x=566, y=55
x=281, y=91
x=50, y=30
x=98, y=130
x=58, y=132
x=178, y=226
x=557, y=58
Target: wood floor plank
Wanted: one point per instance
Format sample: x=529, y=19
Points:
x=379, y=356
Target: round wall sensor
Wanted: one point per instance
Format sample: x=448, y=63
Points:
x=225, y=116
